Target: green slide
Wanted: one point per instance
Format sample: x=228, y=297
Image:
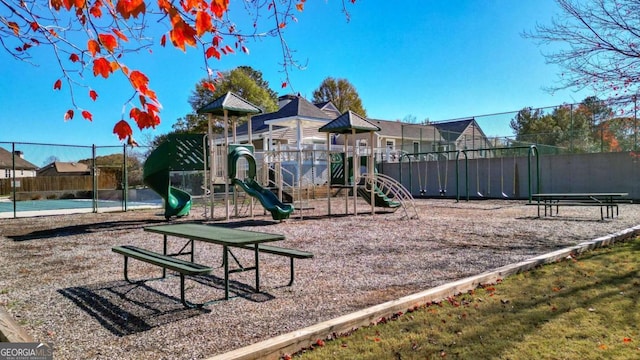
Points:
x=156, y=176
x=268, y=199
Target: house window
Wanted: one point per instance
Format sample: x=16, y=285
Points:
x=416, y=147
x=7, y=173
x=391, y=144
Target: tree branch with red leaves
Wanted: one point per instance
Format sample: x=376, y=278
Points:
x=98, y=36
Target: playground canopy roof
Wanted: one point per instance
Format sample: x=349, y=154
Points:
x=234, y=104
x=347, y=123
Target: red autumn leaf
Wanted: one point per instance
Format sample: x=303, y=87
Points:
x=203, y=22
x=245, y=50
x=34, y=26
x=320, y=342
x=163, y=40
x=96, y=10
x=68, y=115
x=212, y=51
x=229, y=49
x=74, y=58
x=15, y=27
x=57, y=85
x=300, y=6
x=122, y=129
x=284, y=84
x=120, y=35
x=182, y=34
x=128, y=8
x=138, y=80
x=219, y=7
x=209, y=86
x=93, y=95
x=602, y=347
x=87, y=115
x=93, y=47
x=282, y=25
x=626, y=340
x=101, y=67
x=108, y=41
x=216, y=40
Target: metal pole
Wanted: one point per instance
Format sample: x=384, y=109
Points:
x=635, y=122
x=94, y=199
x=125, y=173
x=570, y=129
x=13, y=176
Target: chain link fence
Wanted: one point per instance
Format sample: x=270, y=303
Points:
x=591, y=126
x=41, y=179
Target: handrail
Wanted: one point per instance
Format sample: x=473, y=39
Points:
x=389, y=185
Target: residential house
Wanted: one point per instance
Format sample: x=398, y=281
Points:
x=296, y=122
x=463, y=135
x=9, y=162
x=397, y=138
x=59, y=168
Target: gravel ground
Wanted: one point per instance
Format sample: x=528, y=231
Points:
x=62, y=282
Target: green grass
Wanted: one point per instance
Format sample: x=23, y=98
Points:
x=584, y=308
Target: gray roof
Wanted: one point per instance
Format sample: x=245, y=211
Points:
x=297, y=107
x=6, y=161
x=234, y=104
x=451, y=130
x=347, y=123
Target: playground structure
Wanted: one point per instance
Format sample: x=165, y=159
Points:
x=345, y=172
x=265, y=176
x=488, y=173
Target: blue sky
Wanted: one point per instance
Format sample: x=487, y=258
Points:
x=428, y=59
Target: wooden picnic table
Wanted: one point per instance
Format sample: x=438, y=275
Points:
x=217, y=235
x=607, y=200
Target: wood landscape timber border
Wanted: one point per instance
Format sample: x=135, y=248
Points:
x=295, y=341
x=10, y=331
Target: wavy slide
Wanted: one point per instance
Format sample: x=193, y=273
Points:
x=268, y=199
x=156, y=176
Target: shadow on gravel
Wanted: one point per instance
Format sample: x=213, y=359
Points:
x=84, y=229
x=125, y=309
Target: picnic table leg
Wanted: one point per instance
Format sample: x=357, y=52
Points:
x=257, y=268
x=164, y=270
x=225, y=261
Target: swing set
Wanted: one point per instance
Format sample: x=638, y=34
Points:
x=481, y=161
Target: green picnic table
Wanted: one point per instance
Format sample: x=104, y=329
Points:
x=225, y=237
x=606, y=200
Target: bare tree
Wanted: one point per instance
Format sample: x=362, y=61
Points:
x=599, y=44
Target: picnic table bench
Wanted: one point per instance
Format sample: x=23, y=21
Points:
x=606, y=201
x=227, y=238
x=180, y=266
x=281, y=251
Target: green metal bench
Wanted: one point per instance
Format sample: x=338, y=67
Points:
x=281, y=251
x=183, y=267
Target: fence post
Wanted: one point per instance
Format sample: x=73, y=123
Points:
x=125, y=178
x=13, y=176
x=635, y=122
x=94, y=176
